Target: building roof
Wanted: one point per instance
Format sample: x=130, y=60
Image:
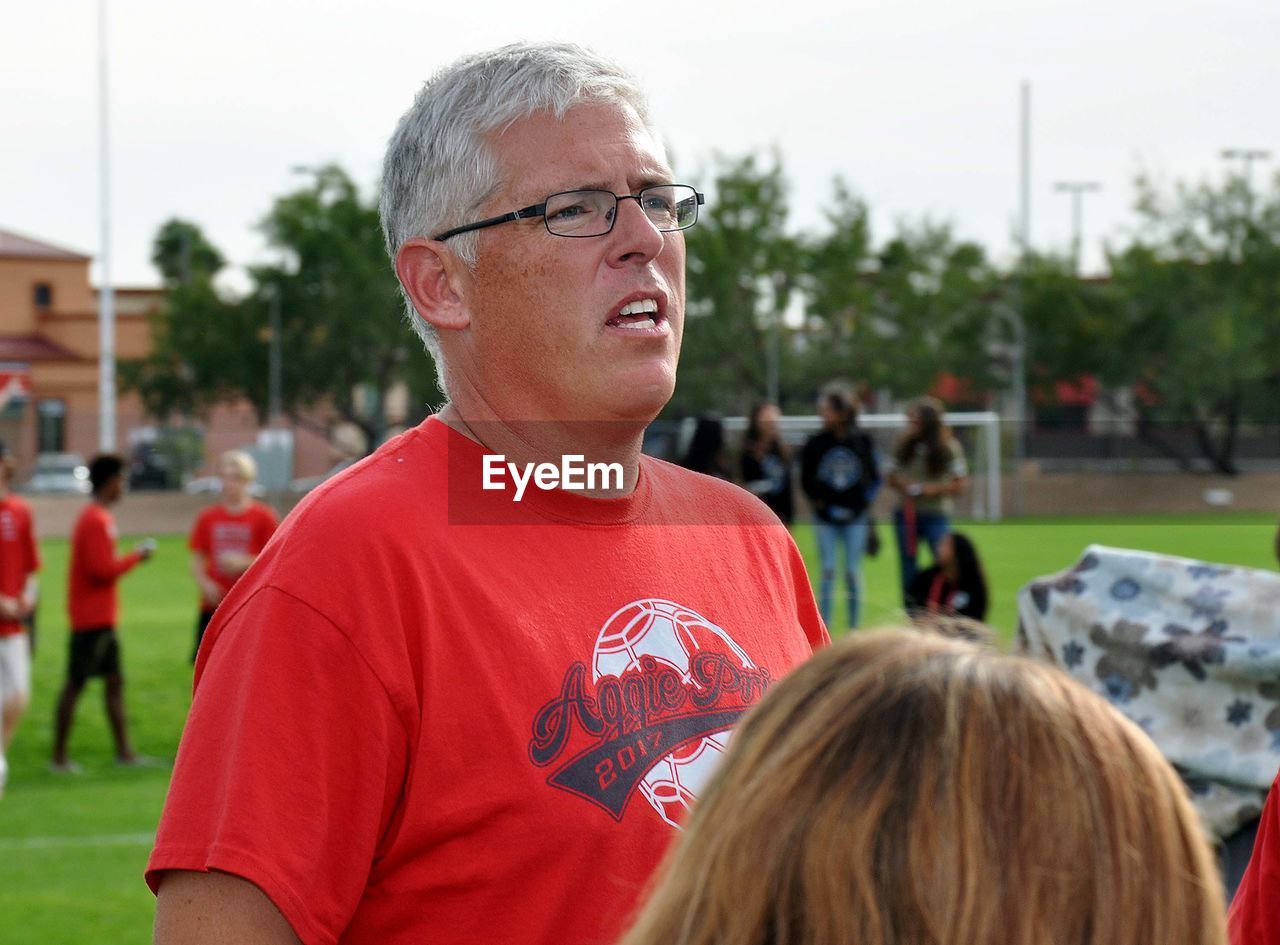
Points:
x=24, y=247
x=34, y=348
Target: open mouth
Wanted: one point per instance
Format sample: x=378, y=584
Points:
x=637, y=315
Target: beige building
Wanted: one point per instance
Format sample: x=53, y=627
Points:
x=49, y=363
x=49, y=349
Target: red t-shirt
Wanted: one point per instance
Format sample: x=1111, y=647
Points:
x=19, y=557
x=435, y=715
x=1254, y=917
x=92, y=600
x=219, y=531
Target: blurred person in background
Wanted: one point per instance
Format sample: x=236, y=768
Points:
x=840, y=476
x=19, y=562
x=227, y=537
x=765, y=461
x=928, y=470
x=955, y=584
x=93, y=605
x=706, y=448
x=909, y=789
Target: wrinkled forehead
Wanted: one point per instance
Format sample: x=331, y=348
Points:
x=593, y=144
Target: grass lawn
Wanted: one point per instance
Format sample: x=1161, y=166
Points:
x=72, y=848
x=1015, y=552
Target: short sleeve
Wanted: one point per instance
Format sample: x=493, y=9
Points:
x=290, y=766
x=1254, y=918
x=32, y=551
x=807, y=615
x=199, y=540
x=959, y=466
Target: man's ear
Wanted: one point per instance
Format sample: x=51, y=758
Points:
x=434, y=279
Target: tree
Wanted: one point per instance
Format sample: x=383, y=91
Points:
x=931, y=312
x=742, y=267
x=842, y=338
x=1199, y=289
x=183, y=255
x=203, y=344
x=343, y=336
x=347, y=342
x=896, y=318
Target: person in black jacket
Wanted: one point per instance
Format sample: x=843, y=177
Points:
x=954, y=585
x=706, y=449
x=839, y=474
x=765, y=462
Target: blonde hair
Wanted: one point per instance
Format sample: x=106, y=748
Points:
x=905, y=789
x=244, y=464
x=952, y=625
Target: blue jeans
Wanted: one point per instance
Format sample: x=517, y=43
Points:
x=930, y=527
x=853, y=536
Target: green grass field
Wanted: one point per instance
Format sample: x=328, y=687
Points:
x=72, y=848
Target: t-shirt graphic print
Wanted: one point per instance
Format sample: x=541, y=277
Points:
x=653, y=710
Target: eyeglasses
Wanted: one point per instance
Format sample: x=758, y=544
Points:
x=583, y=213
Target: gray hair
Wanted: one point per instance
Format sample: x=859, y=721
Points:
x=439, y=168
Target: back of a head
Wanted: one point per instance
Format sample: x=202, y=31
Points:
x=755, y=421
x=703, y=454
x=931, y=412
x=908, y=789
x=842, y=401
x=103, y=468
x=968, y=563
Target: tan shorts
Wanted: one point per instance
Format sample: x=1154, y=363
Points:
x=15, y=665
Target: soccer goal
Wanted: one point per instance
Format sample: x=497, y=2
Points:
x=977, y=431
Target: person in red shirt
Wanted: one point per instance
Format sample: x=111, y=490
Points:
x=94, y=607
x=445, y=708
x=1254, y=917
x=227, y=537
x=19, y=562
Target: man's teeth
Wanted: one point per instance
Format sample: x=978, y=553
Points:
x=639, y=307
x=642, y=323
x=637, y=315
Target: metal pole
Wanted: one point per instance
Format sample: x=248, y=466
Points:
x=772, y=379
x=106, y=293
x=1019, y=324
x=992, y=427
x=1248, y=156
x=1077, y=189
x=767, y=304
x=274, y=387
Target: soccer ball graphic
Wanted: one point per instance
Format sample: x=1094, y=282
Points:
x=671, y=634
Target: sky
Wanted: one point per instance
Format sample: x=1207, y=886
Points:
x=215, y=108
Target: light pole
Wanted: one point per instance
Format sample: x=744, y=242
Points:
x=1019, y=366
x=1077, y=189
x=106, y=294
x=274, y=386
x=1248, y=156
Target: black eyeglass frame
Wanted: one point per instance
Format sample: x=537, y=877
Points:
x=540, y=210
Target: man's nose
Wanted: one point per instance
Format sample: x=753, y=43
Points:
x=636, y=235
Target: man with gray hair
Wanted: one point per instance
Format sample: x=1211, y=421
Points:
x=469, y=689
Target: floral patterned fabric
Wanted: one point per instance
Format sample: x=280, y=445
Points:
x=1189, y=651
